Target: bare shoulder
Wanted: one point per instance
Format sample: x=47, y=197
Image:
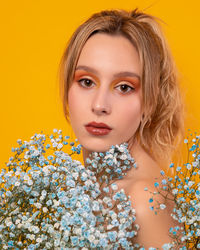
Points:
x=154, y=228
x=141, y=197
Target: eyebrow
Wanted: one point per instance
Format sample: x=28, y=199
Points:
x=119, y=74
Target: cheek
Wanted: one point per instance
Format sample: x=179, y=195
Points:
x=77, y=104
x=132, y=114
x=72, y=104
x=73, y=101
x=71, y=98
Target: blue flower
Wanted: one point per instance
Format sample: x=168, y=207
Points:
x=64, y=197
x=11, y=243
x=156, y=184
x=112, y=236
x=74, y=240
x=70, y=183
x=151, y=200
x=162, y=172
x=103, y=242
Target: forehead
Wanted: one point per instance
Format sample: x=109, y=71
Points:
x=114, y=52
x=103, y=41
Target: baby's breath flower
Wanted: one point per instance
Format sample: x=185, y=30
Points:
x=48, y=203
x=56, y=202
x=162, y=206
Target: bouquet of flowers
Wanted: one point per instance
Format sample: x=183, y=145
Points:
x=184, y=190
x=50, y=201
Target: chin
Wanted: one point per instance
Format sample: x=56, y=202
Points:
x=97, y=149
x=94, y=147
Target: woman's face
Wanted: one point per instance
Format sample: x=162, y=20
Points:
x=106, y=89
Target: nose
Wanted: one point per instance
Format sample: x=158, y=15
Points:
x=101, y=102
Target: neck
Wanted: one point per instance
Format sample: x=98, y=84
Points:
x=134, y=149
x=85, y=155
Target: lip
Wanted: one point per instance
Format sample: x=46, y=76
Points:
x=95, y=128
x=97, y=131
x=98, y=125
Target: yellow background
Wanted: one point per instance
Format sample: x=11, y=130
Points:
x=33, y=36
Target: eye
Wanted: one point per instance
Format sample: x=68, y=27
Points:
x=125, y=88
x=85, y=82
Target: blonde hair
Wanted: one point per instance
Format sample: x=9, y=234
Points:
x=162, y=120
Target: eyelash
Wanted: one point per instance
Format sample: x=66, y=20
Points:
x=85, y=79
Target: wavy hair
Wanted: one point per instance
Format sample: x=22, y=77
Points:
x=161, y=127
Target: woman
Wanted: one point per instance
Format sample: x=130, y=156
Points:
x=119, y=84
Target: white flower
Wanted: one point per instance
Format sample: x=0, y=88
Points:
x=55, y=144
x=39, y=240
x=27, y=225
x=38, y=205
x=121, y=148
x=17, y=221
x=26, y=177
x=111, y=150
x=190, y=183
x=91, y=238
x=29, y=220
x=119, y=207
x=32, y=236
x=114, y=186
x=85, y=214
x=106, y=199
x=108, y=156
x=56, y=225
x=45, y=209
x=195, y=163
x=8, y=223
x=30, y=182
x=183, y=219
x=42, y=198
x=162, y=206
x=122, y=220
x=75, y=175
x=96, y=242
x=59, y=146
x=191, y=221
x=78, y=231
x=114, y=216
x=175, y=191
x=19, y=225
x=121, y=234
x=39, y=135
x=78, y=204
x=46, y=170
x=110, y=227
x=84, y=175
x=92, y=229
x=123, y=157
x=56, y=203
x=88, y=183
x=66, y=233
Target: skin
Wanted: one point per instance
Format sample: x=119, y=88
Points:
x=117, y=101
x=101, y=98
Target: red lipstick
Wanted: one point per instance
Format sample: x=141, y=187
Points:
x=98, y=128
